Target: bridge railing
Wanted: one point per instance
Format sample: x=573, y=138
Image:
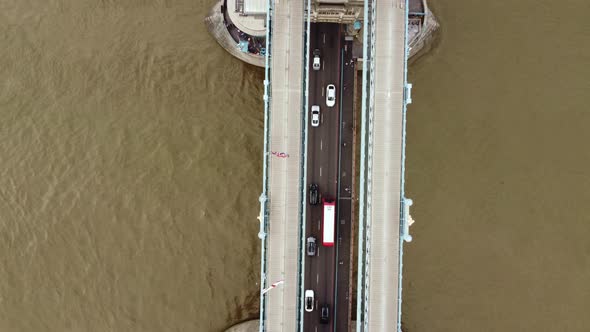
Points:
x=404, y=213
x=264, y=207
x=303, y=179
x=365, y=164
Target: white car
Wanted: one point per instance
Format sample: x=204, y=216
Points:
x=316, y=60
x=330, y=95
x=309, y=300
x=315, y=116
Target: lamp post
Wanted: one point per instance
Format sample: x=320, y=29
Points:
x=264, y=291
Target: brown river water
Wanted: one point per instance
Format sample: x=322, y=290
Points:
x=130, y=164
x=499, y=170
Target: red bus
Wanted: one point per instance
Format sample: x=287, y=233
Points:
x=329, y=216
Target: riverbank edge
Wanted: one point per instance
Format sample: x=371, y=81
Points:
x=247, y=326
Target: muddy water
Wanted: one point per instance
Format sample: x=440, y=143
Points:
x=124, y=160
x=499, y=170
x=130, y=149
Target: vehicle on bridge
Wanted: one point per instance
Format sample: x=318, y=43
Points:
x=311, y=245
x=315, y=116
x=314, y=194
x=325, y=315
x=330, y=95
x=316, y=60
x=309, y=299
x=328, y=225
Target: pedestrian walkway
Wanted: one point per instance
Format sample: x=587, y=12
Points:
x=285, y=165
x=385, y=165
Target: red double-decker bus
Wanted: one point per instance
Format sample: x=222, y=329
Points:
x=328, y=224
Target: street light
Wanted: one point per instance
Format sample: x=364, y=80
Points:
x=264, y=291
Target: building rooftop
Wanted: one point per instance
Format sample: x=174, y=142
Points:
x=254, y=7
x=254, y=24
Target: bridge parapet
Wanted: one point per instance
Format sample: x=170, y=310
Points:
x=264, y=210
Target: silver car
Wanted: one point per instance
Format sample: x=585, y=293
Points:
x=315, y=116
x=330, y=95
x=311, y=246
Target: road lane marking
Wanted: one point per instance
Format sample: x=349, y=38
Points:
x=321, y=144
x=320, y=172
x=317, y=279
x=324, y=38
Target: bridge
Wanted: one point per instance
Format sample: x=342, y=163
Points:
x=369, y=196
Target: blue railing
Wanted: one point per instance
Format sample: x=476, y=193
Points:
x=263, y=217
x=303, y=167
x=365, y=180
x=404, y=214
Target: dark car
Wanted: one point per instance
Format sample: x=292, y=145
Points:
x=314, y=194
x=325, y=315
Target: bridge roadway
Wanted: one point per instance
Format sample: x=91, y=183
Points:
x=329, y=165
x=285, y=192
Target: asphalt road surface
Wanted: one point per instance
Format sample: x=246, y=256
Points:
x=330, y=167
